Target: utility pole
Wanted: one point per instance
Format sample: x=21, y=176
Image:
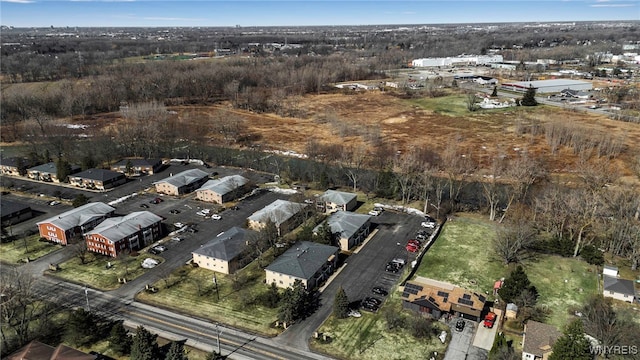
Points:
x=215, y=282
x=86, y=296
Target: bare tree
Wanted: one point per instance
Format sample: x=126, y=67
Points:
x=81, y=251
x=352, y=162
x=514, y=239
x=491, y=187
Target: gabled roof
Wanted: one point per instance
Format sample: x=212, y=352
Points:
x=539, y=338
x=51, y=168
x=620, y=286
x=225, y=184
x=303, y=259
x=227, y=245
x=98, y=174
x=278, y=212
x=138, y=162
x=116, y=228
x=337, y=197
x=8, y=207
x=79, y=216
x=445, y=296
x=36, y=350
x=184, y=178
x=345, y=223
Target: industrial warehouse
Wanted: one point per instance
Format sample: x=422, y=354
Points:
x=548, y=86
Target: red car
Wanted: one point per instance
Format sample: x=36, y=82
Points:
x=414, y=242
x=412, y=248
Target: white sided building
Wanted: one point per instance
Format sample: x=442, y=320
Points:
x=462, y=60
x=548, y=86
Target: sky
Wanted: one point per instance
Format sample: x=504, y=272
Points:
x=169, y=13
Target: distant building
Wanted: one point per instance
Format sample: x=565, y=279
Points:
x=137, y=167
x=97, y=179
x=75, y=222
x=284, y=214
x=49, y=172
x=462, y=60
x=13, y=166
x=227, y=252
x=333, y=200
x=182, y=183
x=119, y=234
x=548, y=86
x=14, y=212
x=223, y=190
x=309, y=262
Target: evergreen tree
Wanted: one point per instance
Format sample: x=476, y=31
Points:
x=501, y=349
x=296, y=303
x=145, y=345
x=79, y=200
x=529, y=98
x=341, y=304
x=305, y=233
x=176, y=351
x=88, y=161
x=63, y=170
x=494, y=93
x=592, y=255
x=572, y=345
x=119, y=339
x=81, y=328
x=128, y=167
x=515, y=284
x=324, y=235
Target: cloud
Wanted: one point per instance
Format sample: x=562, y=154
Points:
x=609, y=5
x=18, y=1
x=161, y=18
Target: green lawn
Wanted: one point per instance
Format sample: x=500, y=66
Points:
x=30, y=247
x=462, y=255
x=96, y=274
x=452, y=105
x=234, y=308
x=368, y=338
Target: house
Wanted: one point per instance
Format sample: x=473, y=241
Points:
x=619, y=289
x=575, y=94
x=538, y=339
x=609, y=270
x=48, y=172
x=182, y=183
x=332, y=200
x=223, y=190
x=75, y=222
x=226, y=252
x=14, y=166
x=281, y=212
x=125, y=233
x=350, y=229
x=13, y=212
x=36, y=350
x=436, y=298
x=97, y=179
x=309, y=262
x=137, y=167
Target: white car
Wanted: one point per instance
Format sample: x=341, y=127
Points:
x=159, y=248
x=178, y=225
x=201, y=213
x=428, y=224
x=216, y=217
x=175, y=238
x=375, y=212
x=205, y=211
x=354, y=313
x=54, y=203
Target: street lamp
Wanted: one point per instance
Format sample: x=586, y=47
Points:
x=86, y=296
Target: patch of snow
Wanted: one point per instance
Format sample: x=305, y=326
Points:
x=282, y=191
x=290, y=153
x=122, y=199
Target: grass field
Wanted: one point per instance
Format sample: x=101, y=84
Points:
x=462, y=256
x=95, y=273
x=234, y=307
x=30, y=247
x=452, y=105
x=368, y=338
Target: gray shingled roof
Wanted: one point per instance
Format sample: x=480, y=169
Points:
x=116, y=228
x=184, y=178
x=138, y=162
x=302, y=260
x=337, y=197
x=538, y=336
x=345, y=223
x=98, y=174
x=278, y=211
x=227, y=245
x=621, y=286
x=8, y=207
x=225, y=184
x=51, y=168
x=79, y=216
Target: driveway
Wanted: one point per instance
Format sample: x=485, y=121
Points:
x=485, y=336
x=460, y=346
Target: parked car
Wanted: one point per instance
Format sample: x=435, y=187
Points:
x=392, y=267
x=354, y=313
x=414, y=242
x=216, y=217
x=179, y=225
x=144, y=206
x=369, y=307
x=175, y=211
x=489, y=320
x=176, y=238
x=158, y=249
x=460, y=325
x=379, y=291
x=428, y=224
x=200, y=213
x=375, y=212
x=54, y=203
x=372, y=300
x=398, y=262
x=411, y=248
x=156, y=201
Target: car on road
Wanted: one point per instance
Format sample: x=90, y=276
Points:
x=54, y=203
x=175, y=211
x=379, y=291
x=216, y=217
x=179, y=225
x=176, y=238
x=144, y=206
x=460, y=325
